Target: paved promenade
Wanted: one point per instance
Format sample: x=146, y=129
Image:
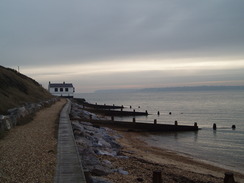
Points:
x=69, y=168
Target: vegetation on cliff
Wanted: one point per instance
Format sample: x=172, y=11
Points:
x=17, y=89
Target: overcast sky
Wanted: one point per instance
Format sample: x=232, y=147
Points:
x=106, y=44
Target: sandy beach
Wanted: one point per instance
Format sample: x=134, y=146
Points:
x=144, y=159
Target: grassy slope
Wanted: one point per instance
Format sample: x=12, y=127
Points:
x=17, y=89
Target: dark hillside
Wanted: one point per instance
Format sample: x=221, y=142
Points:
x=17, y=89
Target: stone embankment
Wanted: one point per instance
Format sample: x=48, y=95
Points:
x=93, y=141
x=21, y=115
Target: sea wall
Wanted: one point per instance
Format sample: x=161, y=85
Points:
x=21, y=115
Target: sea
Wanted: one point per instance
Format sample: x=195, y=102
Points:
x=223, y=147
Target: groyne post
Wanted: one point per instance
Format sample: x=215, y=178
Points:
x=229, y=177
x=157, y=177
x=134, y=120
x=146, y=112
x=214, y=126
x=155, y=121
x=195, y=124
x=158, y=113
x=176, y=123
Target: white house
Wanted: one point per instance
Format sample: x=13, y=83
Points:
x=61, y=89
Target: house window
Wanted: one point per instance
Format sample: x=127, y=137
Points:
x=56, y=89
x=66, y=89
x=61, y=89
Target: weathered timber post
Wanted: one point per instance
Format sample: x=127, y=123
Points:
x=155, y=121
x=146, y=112
x=112, y=118
x=229, y=177
x=158, y=113
x=157, y=177
x=134, y=120
x=134, y=110
x=88, y=176
x=195, y=124
x=214, y=126
x=121, y=109
x=130, y=106
x=176, y=123
x=170, y=113
x=233, y=127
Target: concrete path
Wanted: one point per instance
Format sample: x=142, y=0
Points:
x=69, y=168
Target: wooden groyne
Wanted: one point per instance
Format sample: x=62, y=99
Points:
x=112, y=110
x=109, y=110
x=149, y=127
x=97, y=106
x=117, y=113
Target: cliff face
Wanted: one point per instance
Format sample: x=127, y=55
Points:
x=17, y=89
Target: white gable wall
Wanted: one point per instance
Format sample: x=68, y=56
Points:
x=62, y=91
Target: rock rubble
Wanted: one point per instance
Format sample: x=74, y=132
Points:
x=19, y=115
x=93, y=141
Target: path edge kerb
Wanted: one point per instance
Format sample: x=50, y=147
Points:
x=66, y=171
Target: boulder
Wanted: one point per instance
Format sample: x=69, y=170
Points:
x=1, y=123
x=96, y=179
x=121, y=171
x=99, y=170
x=22, y=112
x=5, y=123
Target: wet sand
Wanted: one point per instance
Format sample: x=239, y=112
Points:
x=144, y=159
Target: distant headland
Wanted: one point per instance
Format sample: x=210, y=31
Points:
x=183, y=88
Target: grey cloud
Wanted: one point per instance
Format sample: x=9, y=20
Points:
x=54, y=32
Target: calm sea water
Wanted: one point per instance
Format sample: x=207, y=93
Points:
x=223, y=147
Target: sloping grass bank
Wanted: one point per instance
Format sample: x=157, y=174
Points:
x=17, y=89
